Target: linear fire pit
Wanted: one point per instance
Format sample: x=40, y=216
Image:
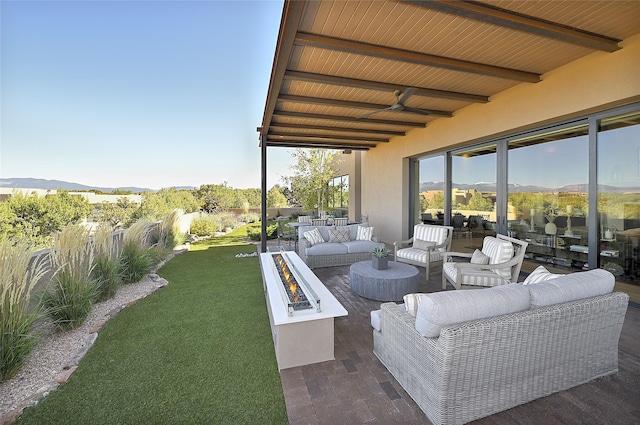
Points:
x=301, y=310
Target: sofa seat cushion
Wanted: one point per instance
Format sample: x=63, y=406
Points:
x=439, y=310
x=359, y=247
x=419, y=255
x=473, y=276
x=571, y=287
x=326, y=248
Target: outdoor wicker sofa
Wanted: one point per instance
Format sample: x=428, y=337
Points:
x=332, y=251
x=540, y=339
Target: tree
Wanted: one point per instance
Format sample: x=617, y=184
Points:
x=35, y=219
x=156, y=205
x=480, y=203
x=119, y=214
x=313, y=170
x=275, y=198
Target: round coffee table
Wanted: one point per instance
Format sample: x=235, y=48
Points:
x=390, y=284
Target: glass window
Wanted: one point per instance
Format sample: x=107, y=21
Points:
x=619, y=195
x=473, y=189
x=548, y=194
x=430, y=189
x=339, y=195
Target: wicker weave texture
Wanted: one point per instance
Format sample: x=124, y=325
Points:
x=486, y=366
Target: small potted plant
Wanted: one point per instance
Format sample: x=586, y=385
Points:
x=379, y=259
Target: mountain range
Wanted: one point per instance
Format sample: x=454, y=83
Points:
x=486, y=187
x=31, y=183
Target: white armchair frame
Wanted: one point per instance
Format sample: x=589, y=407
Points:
x=434, y=252
x=485, y=270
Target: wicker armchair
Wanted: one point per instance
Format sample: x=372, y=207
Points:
x=505, y=256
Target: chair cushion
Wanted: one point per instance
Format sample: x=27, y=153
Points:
x=443, y=309
x=314, y=236
x=364, y=233
x=475, y=277
x=540, y=274
x=420, y=244
x=418, y=255
x=498, y=251
x=338, y=235
x=411, y=303
x=425, y=232
x=479, y=258
x=376, y=319
x=571, y=287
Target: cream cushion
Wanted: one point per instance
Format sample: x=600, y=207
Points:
x=571, y=287
x=498, y=251
x=364, y=233
x=540, y=274
x=442, y=309
x=479, y=258
x=314, y=236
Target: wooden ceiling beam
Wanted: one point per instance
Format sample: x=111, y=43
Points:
x=349, y=104
x=338, y=129
x=378, y=85
x=327, y=136
x=339, y=44
x=342, y=118
x=318, y=144
x=520, y=22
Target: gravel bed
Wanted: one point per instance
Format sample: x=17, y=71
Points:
x=59, y=352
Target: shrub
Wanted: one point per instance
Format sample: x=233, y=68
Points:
x=69, y=301
x=249, y=218
x=206, y=225
x=17, y=280
x=228, y=220
x=106, y=270
x=254, y=232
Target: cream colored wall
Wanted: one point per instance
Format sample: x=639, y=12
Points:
x=596, y=82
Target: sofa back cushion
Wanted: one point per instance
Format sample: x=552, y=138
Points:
x=442, y=309
x=571, y=287
x=498, y=251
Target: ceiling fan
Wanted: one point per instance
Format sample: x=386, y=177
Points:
x=401, y=97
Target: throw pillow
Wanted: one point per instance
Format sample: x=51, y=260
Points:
x=540, y=274
x=411, y=303
x=420, y=244
x=479, y=258
x=338, y=235
x=313, y=236
x=364, y=233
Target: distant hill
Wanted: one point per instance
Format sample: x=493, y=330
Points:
x=30, y=183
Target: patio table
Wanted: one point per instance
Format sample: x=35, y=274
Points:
x=390, y=284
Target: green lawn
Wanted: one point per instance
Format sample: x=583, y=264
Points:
x=198, y=351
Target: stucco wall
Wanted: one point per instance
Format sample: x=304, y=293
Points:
x=597, y=82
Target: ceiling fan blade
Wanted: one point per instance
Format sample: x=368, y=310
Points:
x=372, y=112
x=406, y=94
x=416, y=110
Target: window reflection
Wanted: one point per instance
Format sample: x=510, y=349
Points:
x=548, y=196
x=473, y=190
x=619, y=195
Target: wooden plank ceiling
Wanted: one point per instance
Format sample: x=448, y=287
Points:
x=341, y=67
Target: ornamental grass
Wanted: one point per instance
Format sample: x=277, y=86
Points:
x=106, y=270
x=18, y=277
x=72, y=291
x=135, y=261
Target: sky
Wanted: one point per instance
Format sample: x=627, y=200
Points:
x=149, y=94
